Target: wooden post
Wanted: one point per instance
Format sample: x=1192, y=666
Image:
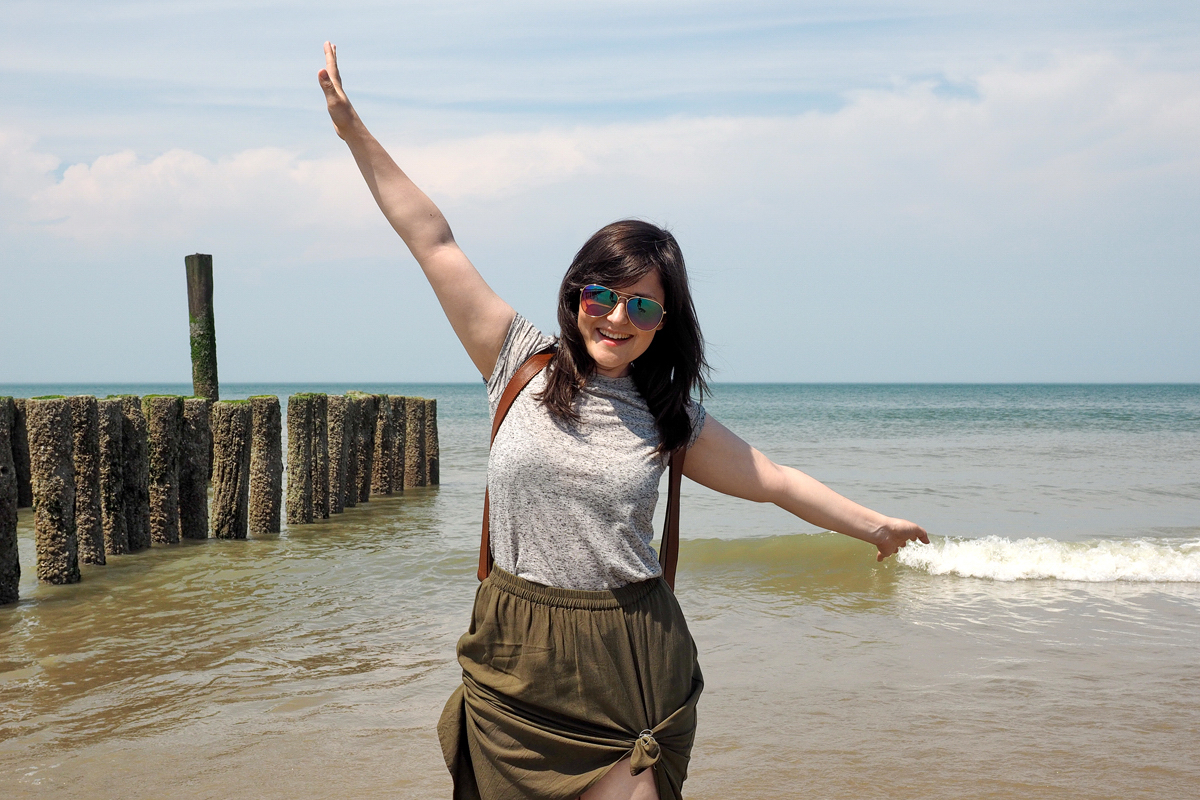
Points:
x=231, y=422
x=195, y=453
x=381, y=471
x=10, y=562
x=319, y=468
x=164, y=427
x=433, y=453
x=368, y=420
x=399, y=430
x=53, y=474
x=202, y=326
x=20, y=454
x=266, y=464
x=350, y=495
x=135, y=458
x=299, y=464
x=339, y=447
x=415, y=468
x=85, y=427
x=113, y=522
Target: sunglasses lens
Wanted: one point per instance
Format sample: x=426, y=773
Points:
x=644, y=313
x=598, y=301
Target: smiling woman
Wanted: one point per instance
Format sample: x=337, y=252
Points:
x=580, y=677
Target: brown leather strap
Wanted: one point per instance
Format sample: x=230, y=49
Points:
x=668, y=552
x=520, y=379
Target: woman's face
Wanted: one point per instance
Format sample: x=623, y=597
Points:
x=612, y=341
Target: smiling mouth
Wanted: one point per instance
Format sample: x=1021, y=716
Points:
x=614, y=337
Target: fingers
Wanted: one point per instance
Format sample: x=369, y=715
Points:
x=331, y=66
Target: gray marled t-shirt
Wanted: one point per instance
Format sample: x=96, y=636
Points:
x=573, y=505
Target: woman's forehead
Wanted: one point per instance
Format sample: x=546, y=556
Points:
x=649, y=285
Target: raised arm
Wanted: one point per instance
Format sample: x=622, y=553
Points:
x=722, y=461
x=478, y=315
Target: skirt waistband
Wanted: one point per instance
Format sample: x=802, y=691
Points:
x=589, y=600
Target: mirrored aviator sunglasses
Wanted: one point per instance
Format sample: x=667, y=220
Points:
x=599, y=301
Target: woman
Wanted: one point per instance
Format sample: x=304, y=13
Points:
x=579, y=675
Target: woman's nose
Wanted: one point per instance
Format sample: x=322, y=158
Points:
x=618, y=315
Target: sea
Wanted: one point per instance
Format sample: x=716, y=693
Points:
x=1045, y=644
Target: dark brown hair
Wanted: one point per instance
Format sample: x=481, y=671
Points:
x=673, y=367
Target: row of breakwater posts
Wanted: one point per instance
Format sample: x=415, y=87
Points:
x=112, y=476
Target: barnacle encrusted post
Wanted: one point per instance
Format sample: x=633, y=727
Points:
x=52, y=471
x=299, y=463
x=164, y=429
x=433, y=453
x=339, y=448
x=368, y=419
x=110, y=416
x=20, y=453
x=266, y=464
x=194, y=467
x=319, y=468
x=381, y=470
x=85, y=429
x=10, y=562
x=399, y=437
x=415, y=468
x=137, y=476
x=231, y=468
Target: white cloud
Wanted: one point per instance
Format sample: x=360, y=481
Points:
x=1029, y=143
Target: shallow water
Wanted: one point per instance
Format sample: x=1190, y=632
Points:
x=315, y=663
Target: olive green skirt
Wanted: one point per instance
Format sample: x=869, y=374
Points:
x=560, y=684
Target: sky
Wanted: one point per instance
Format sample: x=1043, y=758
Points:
x=864, y=191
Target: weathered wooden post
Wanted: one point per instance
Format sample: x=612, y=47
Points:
x=194, y=468
x=368, y=418
x=53, y=473
x=320, y=457
x=300, y=458
x=399, y=429
x=10, y=562
x=85, y=427
x=350, y=496
x=20, y=454
x=381, y=472
x=433, y=453
x=164, y=429
x=202, y=326
x=111, y=430
x=415, y=468
x=266, y=464
x=135, y=459
x=231, y=421
x=339, y=447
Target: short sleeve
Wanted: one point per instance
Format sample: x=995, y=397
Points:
x=697, y=415
x=522, y=341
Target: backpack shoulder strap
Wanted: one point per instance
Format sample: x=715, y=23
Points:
x=520, y=379
x=668, y=552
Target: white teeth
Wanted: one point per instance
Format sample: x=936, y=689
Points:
x=617, y=336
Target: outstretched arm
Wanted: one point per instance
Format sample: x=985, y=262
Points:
x=722, y=461
x=478, y=315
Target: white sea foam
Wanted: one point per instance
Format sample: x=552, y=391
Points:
x=1003, y=559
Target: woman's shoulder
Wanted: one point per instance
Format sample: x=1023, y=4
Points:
x=522, y=341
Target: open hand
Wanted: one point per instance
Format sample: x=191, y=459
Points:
x=340, y=110
x=896, y=533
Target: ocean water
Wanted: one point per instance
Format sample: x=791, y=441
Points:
x=1044, y=645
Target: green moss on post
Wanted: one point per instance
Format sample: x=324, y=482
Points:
x=202, y=326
